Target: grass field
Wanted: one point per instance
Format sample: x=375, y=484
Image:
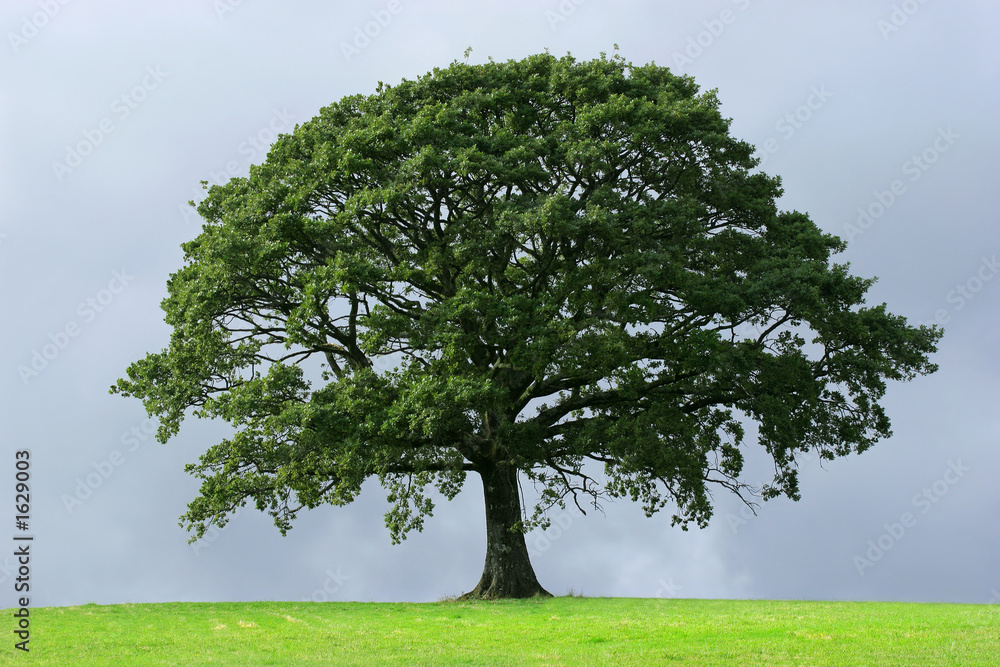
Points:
x=559, y=631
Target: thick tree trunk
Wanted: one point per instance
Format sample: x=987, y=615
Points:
x=507, y=572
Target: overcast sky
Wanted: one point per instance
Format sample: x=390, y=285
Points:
x=879, y=116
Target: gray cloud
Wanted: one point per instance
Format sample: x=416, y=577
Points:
x=112, y=113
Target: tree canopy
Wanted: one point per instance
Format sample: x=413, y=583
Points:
x=520, y=268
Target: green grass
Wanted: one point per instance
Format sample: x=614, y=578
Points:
x=559, y=631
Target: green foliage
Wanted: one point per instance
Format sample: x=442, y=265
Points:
x=545, y=262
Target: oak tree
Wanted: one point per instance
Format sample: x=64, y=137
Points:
x=547, y=270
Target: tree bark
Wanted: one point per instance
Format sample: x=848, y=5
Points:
x=507, y=572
